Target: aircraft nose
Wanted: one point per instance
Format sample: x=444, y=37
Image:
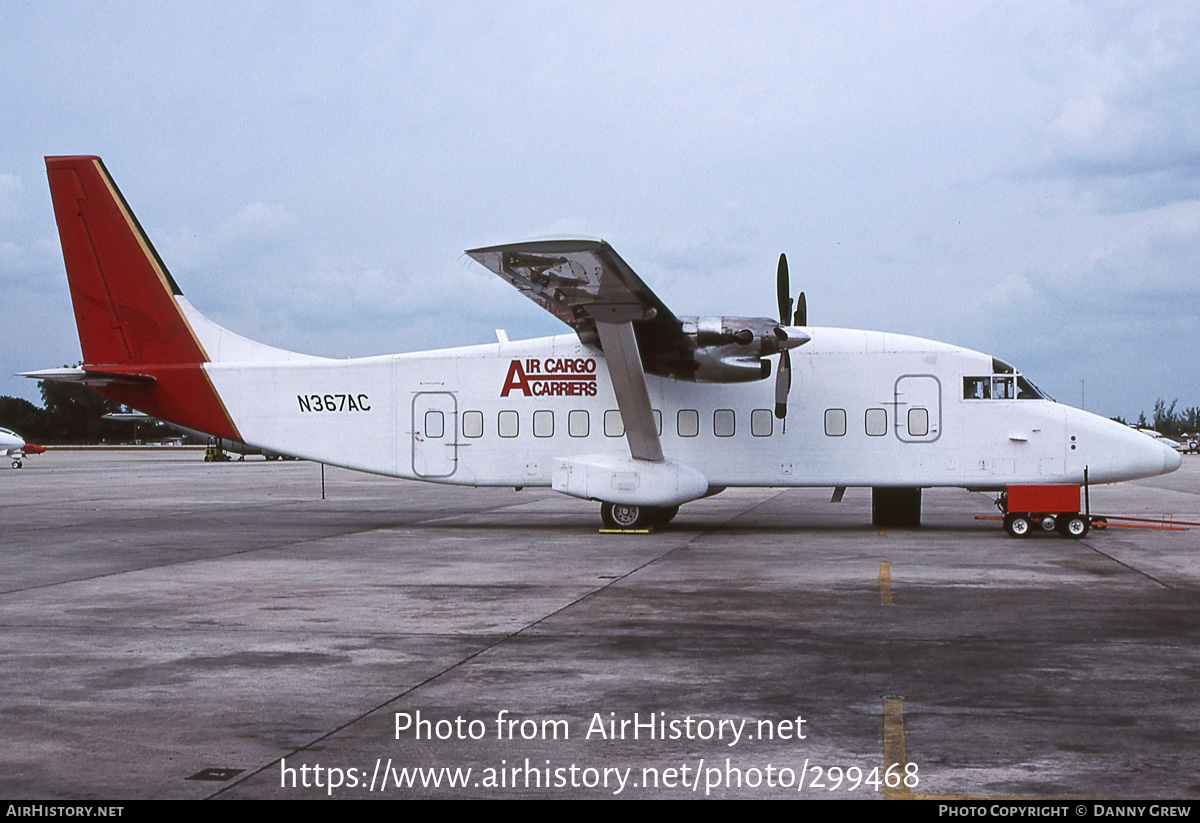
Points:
x=1171, y=460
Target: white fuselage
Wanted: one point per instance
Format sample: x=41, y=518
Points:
x=11, y=443
x=866, y=409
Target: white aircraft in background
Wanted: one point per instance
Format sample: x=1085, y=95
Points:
x=638, y=409
x=13, y=445
x=1160, y=437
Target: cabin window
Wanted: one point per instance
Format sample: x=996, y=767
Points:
x=472, y=423
x=918, y=422
x=614, y=426
x=435, y=424
x=977, y=388
x=762, y=423
x=876, y=422
x=835, y=422
x=507, y=424
x=578, y=423
x=543, y=423
x=724, y=423
x=658, y=422
x=688, y=422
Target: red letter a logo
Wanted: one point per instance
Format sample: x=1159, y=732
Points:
x=516, y=380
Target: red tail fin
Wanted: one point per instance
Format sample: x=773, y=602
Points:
x=124, y=299
x=121, y=290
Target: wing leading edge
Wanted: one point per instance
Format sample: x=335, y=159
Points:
x=582, y=282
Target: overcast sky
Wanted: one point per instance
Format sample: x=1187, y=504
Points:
x=1019, y=179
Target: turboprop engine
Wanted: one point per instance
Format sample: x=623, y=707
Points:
x=733, y=349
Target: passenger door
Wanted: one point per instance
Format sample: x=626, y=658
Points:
x=918, y=408
x=434, y=434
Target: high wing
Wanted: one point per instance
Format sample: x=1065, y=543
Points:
x=582, y=282
x=585, y=282
x=590, y=288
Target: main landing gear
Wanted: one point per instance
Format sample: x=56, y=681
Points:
x=622, y=517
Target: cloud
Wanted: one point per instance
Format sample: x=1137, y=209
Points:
x=1127, y=125
x=255, y=223
x=11, y=194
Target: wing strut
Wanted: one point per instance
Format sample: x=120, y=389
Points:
x=629, y=384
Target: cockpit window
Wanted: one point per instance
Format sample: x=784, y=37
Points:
x=977, y=388
x=1005, y=384
x=1028, y=391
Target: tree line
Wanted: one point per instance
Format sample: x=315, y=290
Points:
x=1168, y=422
x=74, y=414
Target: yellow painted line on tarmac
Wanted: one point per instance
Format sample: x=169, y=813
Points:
x=895, y=752
x=885, y=584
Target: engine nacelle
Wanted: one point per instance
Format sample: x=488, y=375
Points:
x=751, y=333
x=726, y=364
x=723, y=349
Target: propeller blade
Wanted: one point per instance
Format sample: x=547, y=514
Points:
x=783, y=383
x=801, y=318
x=781, y=288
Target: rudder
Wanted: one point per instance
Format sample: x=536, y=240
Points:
x=126, y=311
x=122, y=293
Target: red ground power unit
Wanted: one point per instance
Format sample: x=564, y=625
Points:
x=1049, y=497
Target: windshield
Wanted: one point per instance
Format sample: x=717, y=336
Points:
x=1005, y=383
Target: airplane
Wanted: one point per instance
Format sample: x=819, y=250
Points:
x=636, y=408
x=13, y=445
x=1160, y=437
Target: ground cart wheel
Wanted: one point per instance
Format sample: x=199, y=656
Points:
x=1017, y=525
x=1074, y=525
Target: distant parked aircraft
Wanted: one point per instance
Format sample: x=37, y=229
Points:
x=14, y=446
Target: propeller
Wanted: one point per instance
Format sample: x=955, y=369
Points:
x=783, y=377
x=781, y=289
x=783, y=383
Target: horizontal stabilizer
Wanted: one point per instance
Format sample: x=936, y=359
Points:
x=89, y=377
